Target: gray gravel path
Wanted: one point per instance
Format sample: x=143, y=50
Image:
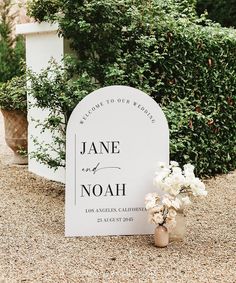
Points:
x=33, y=247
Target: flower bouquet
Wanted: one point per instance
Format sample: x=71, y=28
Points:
x=175, y=187
x=162, y=211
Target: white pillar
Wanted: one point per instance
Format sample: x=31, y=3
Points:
x=42, y=44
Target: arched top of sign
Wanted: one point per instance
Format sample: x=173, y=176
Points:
x=115, y=137
x=123, y=97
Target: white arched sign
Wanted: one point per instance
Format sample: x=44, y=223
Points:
x=115, y=138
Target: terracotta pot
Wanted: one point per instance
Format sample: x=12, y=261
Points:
x=178, y=233
x=161, y=237
x=16, y=133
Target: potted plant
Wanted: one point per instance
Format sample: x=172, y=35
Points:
x=162, y=211
x=176, y=187
x=13, y=105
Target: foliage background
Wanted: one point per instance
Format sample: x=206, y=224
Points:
x=186, y=63
x=221, y=11
x=12, y=49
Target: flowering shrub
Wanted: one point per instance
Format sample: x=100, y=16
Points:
x=178, y=186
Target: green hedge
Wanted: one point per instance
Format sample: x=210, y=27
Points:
x=191, y=71
x=12, y=49
x=161, y=47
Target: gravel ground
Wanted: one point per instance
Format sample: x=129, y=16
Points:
x=34, y=249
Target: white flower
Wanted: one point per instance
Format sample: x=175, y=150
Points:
x=188, y=181
x=198, y=188
x=177, y=171
x=188, y=170
x=155, y=209
x=158, y=180
x=150, y=204
x=151, y=200
x=174, y=190
x=170, y=201
x=171, y=213
x=170, y=224
x=188, y=167
x=166, y=201
x=176, y=203
x=158, y=218
x=162, y=170
x=174, y=164
x=151, y=196
x=185, y=201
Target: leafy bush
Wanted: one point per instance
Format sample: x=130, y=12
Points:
x=185, y=63
x=56, y=89
x=12, y=49
x=13, y=94
x=44, y=10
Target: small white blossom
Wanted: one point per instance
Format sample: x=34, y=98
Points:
x=188, y=170
x=177, y=171
x=150, y=204
x=151, y=196
x=170, y=224
x=171, y=213
x=158, y=218
x=176, y=203
x=174, y=164
x=155, y=209
x=185, y=201
x=166, y=201
x=151, y=199
x=174, y=190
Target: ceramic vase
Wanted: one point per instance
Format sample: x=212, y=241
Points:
x=161, y=237
x=178, y=233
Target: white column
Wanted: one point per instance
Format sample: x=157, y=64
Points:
x=42, y=44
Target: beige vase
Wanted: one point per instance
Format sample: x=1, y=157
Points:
x=161, y=237
x=16, y=133
x=178, y=233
